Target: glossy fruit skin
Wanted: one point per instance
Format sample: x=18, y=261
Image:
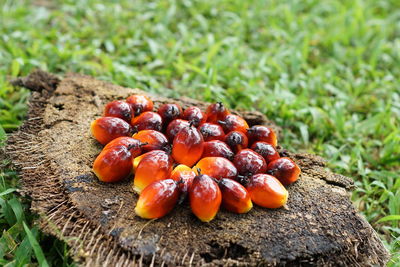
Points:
x=236, y=141
x=113, y=164
x=267, y=151
x=211, y=131
x=195, y=116
x=204, y=197
x=119, y=109
x=136, y=160
x=105, y=129
x=134, y=146
x=234, y=123
x=216, y=112
x=184, y=175
x=140, y=103
x=169, y=112
x=154, y=139
x=174, y=127
x=188, y=146
x=216, y=148
x=157, y=199
x=285, y=170
x=147, y=121
x=266, y=191
x=152, y=167
x=262, y=133
x=235, y=197
x=216, y=167
x=249, y=162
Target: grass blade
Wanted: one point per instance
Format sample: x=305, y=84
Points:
x=8, y=191
x=36, y=247
x=389, y=218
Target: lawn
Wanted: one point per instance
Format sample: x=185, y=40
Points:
x=327, y=72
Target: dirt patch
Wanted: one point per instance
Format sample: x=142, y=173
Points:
x=54, y=153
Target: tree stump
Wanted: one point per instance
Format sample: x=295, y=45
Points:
x=54, y=151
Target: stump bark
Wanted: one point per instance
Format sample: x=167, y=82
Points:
x=54, y=151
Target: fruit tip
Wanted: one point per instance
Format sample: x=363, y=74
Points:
x=136, y=189
x=249, y=207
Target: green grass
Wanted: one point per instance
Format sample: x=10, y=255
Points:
x=326, y=71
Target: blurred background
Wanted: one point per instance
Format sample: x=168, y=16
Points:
x=327, y=72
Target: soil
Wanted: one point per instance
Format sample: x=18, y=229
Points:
x=54, y=152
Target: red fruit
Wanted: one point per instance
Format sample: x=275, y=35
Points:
x=154, y=139
x=234, y=123
x=249, y=162
x=113, y=164
x=119, y=109
x=216, y=112
x=184, y=175
x=236, y=141
x=137, y=159
x=170, y=112
x=147, y=121
x=211, y=131
x=157, y=199
x=216, y=167
x=195, y=116
x=174, y=127
x=262, y=133
x=188, y=146
x=235, y=197
x=267, y=151
x=204, y=197
x=216, y=148
x=266, y=191
x=105, y=129
x=152, y=167
x=140, y=103
x=134, y=146
x=285, y=170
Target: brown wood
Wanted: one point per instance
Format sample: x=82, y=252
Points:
x=54, y=152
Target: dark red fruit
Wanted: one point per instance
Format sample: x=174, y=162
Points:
x=153, y=167
x=147, y=121
x=216, y=112
x=105, y=129
x=211, y=131
x=249, y=162
x=234, y=123
x=157, y=199
x=217, y=148
x=266, y=191
x=134, y=146
x=285, y=170
x=216, y=167
x=262, y=133
x=113, y=164
x=170, y=112
x=204, y=197
x=236, y=141
x=184, y=175
x=267, y=151
x=235, y=197
x=188, y=146
x=174, y=127
x=118, y=109
x=154, y=140
x=140, y=103
x=195, y=116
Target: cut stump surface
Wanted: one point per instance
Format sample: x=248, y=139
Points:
x=54, y=152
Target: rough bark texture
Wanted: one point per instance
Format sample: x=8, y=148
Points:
x=54, y=152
